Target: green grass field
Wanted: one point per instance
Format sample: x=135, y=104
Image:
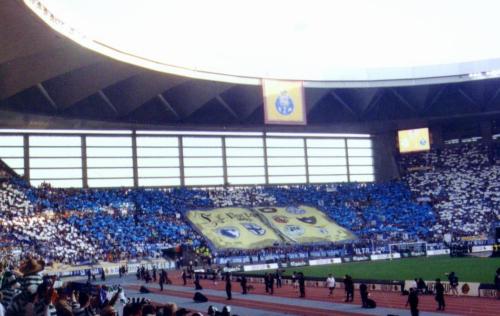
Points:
x=470, y=269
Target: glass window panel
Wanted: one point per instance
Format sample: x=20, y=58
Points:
x=244, y=142
x=109, y=162
x=158, y=172
x=287, y=179
x=55, y=163
x=14, y=163
x=249, y=152
x=294, y=161
x=326, y=161
x=55, y=152
x=11, y=152
x=19, y=171
x=110, y=173
x=158, y=182
x=278, y=171
x=327, y=179
x=362, y=152
x=325, y=152
x=246, y=180
x=359, y=143
x=11, y=141
x=285, y=152
x=285, y=142
x=327, y=170
x=203, y=162
x=109, y=141
x=69, y=183
x=158, y=162
x=157, y=152
x=52, y=141
x=202, y=172
x=245, y=161
x=55, y=173
x=108, y=152
x=157, y=141
x=110, y=183
x=246, y=171
x=202, y=141
x=202, y=152
x=362, y=178
x=361, y=169
x=204, y=181
x=360, y=161
x=325, y=142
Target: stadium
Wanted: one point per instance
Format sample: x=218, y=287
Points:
x=265, y=158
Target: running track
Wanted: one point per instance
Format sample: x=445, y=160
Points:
x=285, y=300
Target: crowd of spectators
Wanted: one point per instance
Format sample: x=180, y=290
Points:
x=26, y=290
x=77, y=225
x=461, y=182
x=454, y=190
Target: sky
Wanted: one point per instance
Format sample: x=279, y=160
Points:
x=307, y=40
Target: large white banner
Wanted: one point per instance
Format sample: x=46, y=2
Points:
x=438, y=252
x=385, y=256
x=257, y=267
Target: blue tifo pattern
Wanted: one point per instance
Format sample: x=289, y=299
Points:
x=114, y=223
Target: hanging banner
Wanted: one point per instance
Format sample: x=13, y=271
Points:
x=284, y=102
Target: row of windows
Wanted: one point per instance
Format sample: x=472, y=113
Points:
x=109, y=162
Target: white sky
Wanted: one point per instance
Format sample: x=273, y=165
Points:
x=309, y=39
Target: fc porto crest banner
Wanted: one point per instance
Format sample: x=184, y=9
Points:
x=284, y=102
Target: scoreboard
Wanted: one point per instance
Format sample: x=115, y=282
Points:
x=414, y=140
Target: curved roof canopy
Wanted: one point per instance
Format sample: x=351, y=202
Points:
x=351, y=43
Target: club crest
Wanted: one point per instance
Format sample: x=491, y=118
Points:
x=267, y=210
x=254, y=229
x=294, y=230
x=229, y=232
x=295, y=210
x=308, y=220
x=280, y=219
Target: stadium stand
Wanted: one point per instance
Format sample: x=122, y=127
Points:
x=112, y=224
x=461, y=183
x=453, y=190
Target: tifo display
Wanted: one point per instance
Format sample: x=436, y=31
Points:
x=259, y=227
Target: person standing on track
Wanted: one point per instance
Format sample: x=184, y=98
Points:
x=271, y=283
x=453, y=279
x=278, y=278
x=243, y=283
x=302, y=285
x=184, y=277
x=440, y=295
x=294, y=280
x=330, y=284
x=413, y=302
x=162, y=280
x=349, y=288
x=228, y=286
x=197, y=284
x=497, y=283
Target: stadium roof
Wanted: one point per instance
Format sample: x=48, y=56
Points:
x=44, y=73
